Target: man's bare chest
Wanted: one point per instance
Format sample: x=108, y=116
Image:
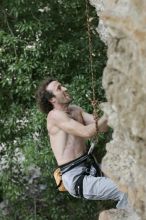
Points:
x=76, y=115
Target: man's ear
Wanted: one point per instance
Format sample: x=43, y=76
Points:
x=52, y=100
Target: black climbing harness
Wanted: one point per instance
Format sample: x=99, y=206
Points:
x=89, y=160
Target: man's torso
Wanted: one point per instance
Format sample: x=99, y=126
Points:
x=66, y=147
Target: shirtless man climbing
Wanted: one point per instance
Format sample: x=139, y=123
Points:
x=69, y=127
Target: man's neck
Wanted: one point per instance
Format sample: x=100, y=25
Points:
x=62, y=107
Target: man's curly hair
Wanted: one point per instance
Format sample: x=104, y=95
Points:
x=43, y=96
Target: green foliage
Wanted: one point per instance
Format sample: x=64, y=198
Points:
x=40, y=39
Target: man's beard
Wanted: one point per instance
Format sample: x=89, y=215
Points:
x=67, y=101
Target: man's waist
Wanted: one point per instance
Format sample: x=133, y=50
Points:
x=73, y=163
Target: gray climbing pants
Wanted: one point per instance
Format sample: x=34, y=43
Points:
x=94, y=188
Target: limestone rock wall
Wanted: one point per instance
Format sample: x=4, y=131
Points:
x=124, y=80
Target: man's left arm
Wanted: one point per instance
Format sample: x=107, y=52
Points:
x=102, y=122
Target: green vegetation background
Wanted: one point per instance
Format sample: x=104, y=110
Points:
x=42, y=38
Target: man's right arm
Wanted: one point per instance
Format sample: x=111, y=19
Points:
x=70, y=126
x=102, y=122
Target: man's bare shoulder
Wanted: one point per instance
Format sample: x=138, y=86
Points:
x=76, y=107
x=56, y=114
x=54, y=118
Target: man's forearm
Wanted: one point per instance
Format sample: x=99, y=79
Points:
x=102, y=124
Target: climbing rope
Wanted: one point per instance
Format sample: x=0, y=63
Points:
x=94, y=101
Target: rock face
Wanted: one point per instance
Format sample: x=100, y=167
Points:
x=124, y=81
